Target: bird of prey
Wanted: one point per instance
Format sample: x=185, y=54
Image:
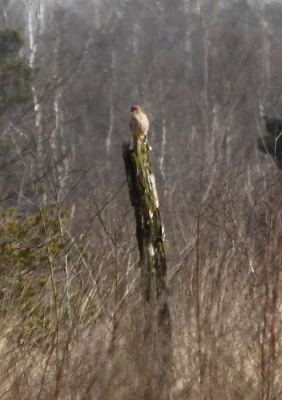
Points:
x=138, y=124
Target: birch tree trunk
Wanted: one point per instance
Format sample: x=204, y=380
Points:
x=150, y=238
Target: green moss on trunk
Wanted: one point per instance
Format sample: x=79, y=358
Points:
x=149, y=233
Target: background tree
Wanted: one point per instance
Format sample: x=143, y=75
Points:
x=16, y=76
x=271, y=143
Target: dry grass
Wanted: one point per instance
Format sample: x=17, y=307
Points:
x=224, y=252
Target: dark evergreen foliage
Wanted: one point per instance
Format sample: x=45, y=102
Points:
x=11, y=42
x=271, y=143
x=15, y=74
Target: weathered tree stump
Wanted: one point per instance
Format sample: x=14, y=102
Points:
x=150, y=238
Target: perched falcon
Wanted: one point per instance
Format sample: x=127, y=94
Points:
x=138, y=124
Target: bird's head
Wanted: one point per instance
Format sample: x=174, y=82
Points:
x=135, y=109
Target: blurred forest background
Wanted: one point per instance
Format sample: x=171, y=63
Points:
x=206, y=72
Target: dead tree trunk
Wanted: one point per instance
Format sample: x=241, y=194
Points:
x=150, y=238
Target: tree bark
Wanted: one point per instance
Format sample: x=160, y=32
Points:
x=150, y=238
